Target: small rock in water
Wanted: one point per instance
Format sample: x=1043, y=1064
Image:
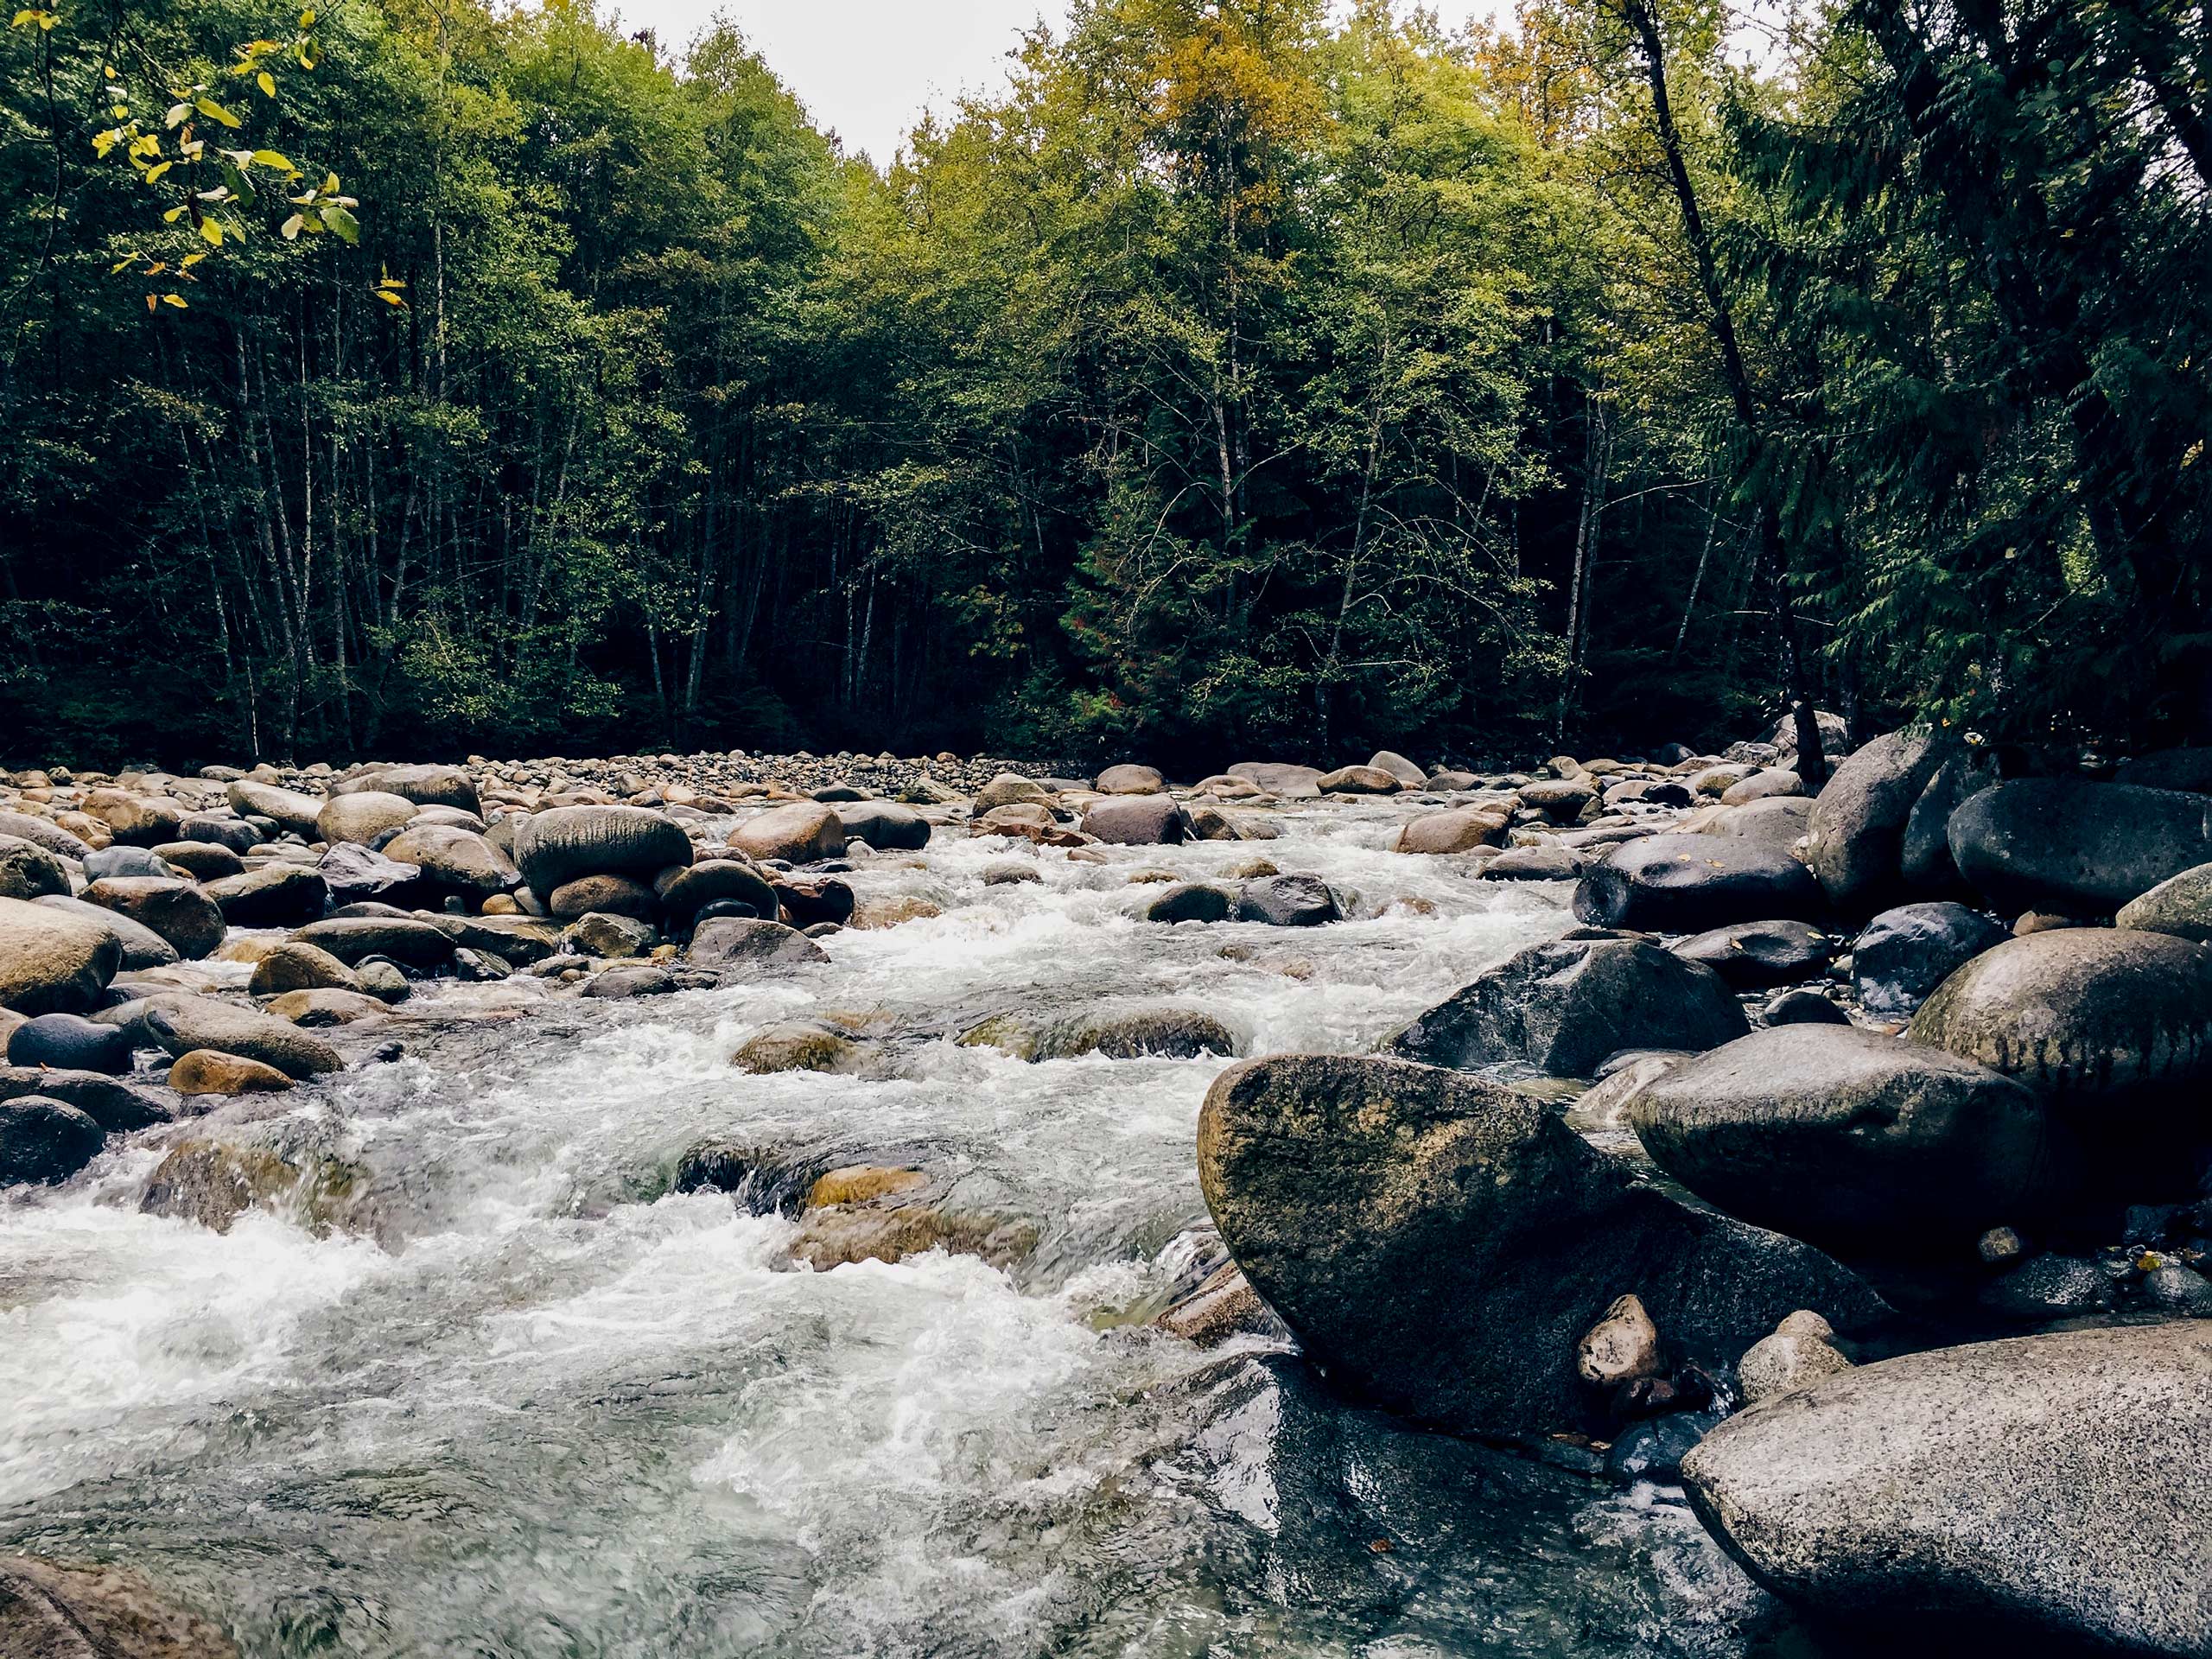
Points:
x=1621, y=1347
x=205, y=1072
x=1801, y=1351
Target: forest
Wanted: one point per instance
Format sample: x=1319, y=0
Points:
x=1251, y=375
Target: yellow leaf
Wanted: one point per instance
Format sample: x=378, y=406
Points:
x=154, y=173
x=118, y=266
x=173, y=215
x=387, y=297
x=307, y=18
x=272, y=158
x=211, y=231
x=267, y=82
x=176, y=300
x=214, y=111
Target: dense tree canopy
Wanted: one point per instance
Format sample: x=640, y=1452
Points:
x=1251, y=375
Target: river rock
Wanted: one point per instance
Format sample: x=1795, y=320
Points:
x=604, y=895
x=2181, y=906
x=2188, y=769
x=796, y=1045
x=1802, y=1007
x=1131, y=780
x=804, y=832
x=189, y=1022
x=142, y=948
x=459, y=860
x=810, y=903
x=276, y=895
x=1294, y=900
x=2051, y=1485
x=1778, y=822
x=53, y=961
x=115, y=1106
x=1440, y=1244
x=325, y=1007
x=1854, y=1141
x=516, y=940
x=177, y=910
x=1458, y=830
x=1284, y=781
x=27, y=870
x=43, y=832
x=885, y=825
x=1138, y=821
x=50, y=1611
x=729, y=941
x=1546, y=862
x=424, y=785
x=1687, y=884
x=1559, y=799
x=2079, y=847
x=1565, y=1004
x=1620, y=1347
x=1408, y=775
x=405, y=939
x=1156, y=1031
x=44, y=1142
x=609, y=935
x=1358, y=780
x=290, y=811
x=1858, y=822
x=356, y=875
x=71, y=1043
x=107, y=862
x=203, y=860
x=296, y=965
x=206, y=1072
x=1759, y=956
x=234, y=834
x=686, y=892
x=362, y=816
x=1010, y=789
x=1191, y=901
x=1904, y=954
x=1799, y=1354
x=554, y=848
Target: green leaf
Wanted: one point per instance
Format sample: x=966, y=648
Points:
x=272, y=158
x=342, y=225
x=214, y=111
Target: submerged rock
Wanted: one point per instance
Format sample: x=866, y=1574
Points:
x=52, y=1611
x=2051, y=1485
x=1441, y=1244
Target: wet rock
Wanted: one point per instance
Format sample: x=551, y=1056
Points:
x=601, y=934
x=1758, y=956
x=207, y=1071
x=2079, y=848
x=1857, y=822
x=1621, y=1347
x=383, y=980
x=2047, y=1486
x=1459, y=830
x=1440, y=1243
x=294, y=966
x=1563, y=1006
x=457, y=861
x=1799, y=1354
x=70, y=1043
x=1223, y=1306
x=1159, y=1032
x=189, y=1022
x=1138, y=821
x=1687, y=884
x=807, y=903
x=319, y=1007
x=1561, y=800
x=2049, y=1288
x=1288, y=901
x=520, y=939
x=2173, y=1288
x=729, y=942
x=115, y=1106
x=277, y=895
x=2181, y=906
x=1654, y=1451
x=1854, y=1141
x=1904, y=954
x=1802, y=1007
x=362, y=816
x=353, y=939
x=87, y=1611
x=643, y=979
x=53, y=961
x=1191, y=901
x=1926, y=856
x=44, y=1141
x=175, y=909
x=352, y=874
x=712, y=880
x=214, y=1182
x=1547, y=862
x=892, y=911
x=796, y=1046
x=1131, y=780
x=804, y=832
x=27, y=870
x=606, y=895
x=885, y=826
x=554, y=848
x=1357, y=780
x=1285, y=782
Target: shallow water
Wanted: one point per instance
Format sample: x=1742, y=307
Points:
x=558, y=1410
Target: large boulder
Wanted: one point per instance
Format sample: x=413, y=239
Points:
x=2052, y=1486
x=1925, y=856
x=292, y=811
x=405, y=939
x=362, y=816
x=182, y=1024
x=1408, y=774
x=296, y=966
x=1293, y=901
x=1565, y=1005
x=2079, y=847
x=1858, y=822
x=142, y=948
x=460, y=861
x=1903, y=955
x=426, y=786
x=1359, y=780
x=42, y=832
x=554, y=848
x=179, y=911
x=1129, y=780
x=1138, y=821
x=731, y=942
x=885, y=825
x=1159, y=1031
x=2188, y=769
x=683, y=894
x=71, y=1043
x=805, y=832
x=1687, y=884
x=1441, y=1244
x=2181, y=906
x=276, y=895
x=1759, y=956
x=1459, y=830
x=1779, y=822
x=1289, y=782
x=53, y=961
x=44, y=1141
x=1854, y=1141
x=1010, y=789
x=29, y=871
x=352, y=874
x=115, y=1106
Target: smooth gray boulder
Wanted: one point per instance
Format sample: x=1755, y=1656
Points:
x=29, y=871
x=180, y=910
x=44, y=1141
x=554, y=848
x=885, y=825
x=403, y=938
x=1293, y=901
x=1687, y=884
x=1563, y=1006
x=1857, y=823
x=1903, y=955
x=53, y=961
x=1440, y=1244
x=460, y=861
x=2181, y=906
x=142, y=948
x=1856, y=1141
x=1926, y=854
x=425, y=786
x=1759, y=956
x=1399, y=767
x=287, y=808
x=43, y=833
x=182, y=1024
x=2053, y=1486
x=363, y=815
x=1280, y=778
x=2078, y=847
x=1138, y=821
x=726, y=942
x=115, y=1106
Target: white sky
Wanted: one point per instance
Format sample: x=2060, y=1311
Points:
x=869, y=68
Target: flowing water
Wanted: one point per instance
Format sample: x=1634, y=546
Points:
x=552, y=1407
